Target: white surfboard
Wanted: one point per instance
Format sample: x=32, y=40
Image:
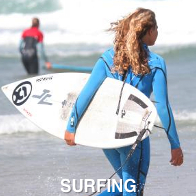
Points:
x=47, y=101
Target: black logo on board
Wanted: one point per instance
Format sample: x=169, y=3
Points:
x=21, y=93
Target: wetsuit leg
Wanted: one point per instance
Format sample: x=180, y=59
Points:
x=136, y=167
x=31, y=64
x=145, y=162
x=106, y=193
x=26, y=64
x=114, y=158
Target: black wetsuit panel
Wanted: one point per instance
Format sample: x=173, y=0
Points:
x=29, y=55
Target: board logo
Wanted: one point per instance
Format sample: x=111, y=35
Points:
x=43, y=97
x=21, y=93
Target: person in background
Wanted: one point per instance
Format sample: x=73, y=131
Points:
x=31, y=42
x=131, y=61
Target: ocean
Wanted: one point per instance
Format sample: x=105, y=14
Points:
x=32, y=162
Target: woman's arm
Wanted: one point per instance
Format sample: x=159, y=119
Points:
x=97, y=77
x=21, y=45
x=165, y=113
x=41, y=49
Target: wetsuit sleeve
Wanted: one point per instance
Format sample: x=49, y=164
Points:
x=40, y=37
x=21, y=45
x=96, y=78
x=23, y=34
x=163, y=106
x=41, y=49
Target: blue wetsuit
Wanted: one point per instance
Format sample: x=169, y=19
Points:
x=137, y=166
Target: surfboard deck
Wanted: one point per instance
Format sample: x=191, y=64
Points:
x=47, y=101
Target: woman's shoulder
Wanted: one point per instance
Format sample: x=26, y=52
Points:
x=108, y=57
x=108, y=54
x=156, y=60
x=156, y=56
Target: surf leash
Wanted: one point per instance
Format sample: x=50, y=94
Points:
x=138, y=140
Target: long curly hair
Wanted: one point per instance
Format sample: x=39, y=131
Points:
x=128, y=45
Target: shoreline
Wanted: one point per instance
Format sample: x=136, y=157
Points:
x=35, y=164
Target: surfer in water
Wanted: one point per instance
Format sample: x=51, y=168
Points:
x=31, y=38
x=130, y=60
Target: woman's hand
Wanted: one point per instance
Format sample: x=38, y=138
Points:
x=69, y=138
x=176, y=157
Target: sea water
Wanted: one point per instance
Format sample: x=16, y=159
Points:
x=32, y=162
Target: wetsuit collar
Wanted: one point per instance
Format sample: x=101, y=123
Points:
x=145, y=47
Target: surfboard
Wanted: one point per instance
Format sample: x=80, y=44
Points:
x=48, y=100
x=73, y=68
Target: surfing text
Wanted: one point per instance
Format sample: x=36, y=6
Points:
x=90, y=185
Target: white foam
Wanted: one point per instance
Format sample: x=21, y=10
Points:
x=16, y=123
x=85, y=21
x=185, y=116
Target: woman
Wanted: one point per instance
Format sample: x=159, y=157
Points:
x=131, y=60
